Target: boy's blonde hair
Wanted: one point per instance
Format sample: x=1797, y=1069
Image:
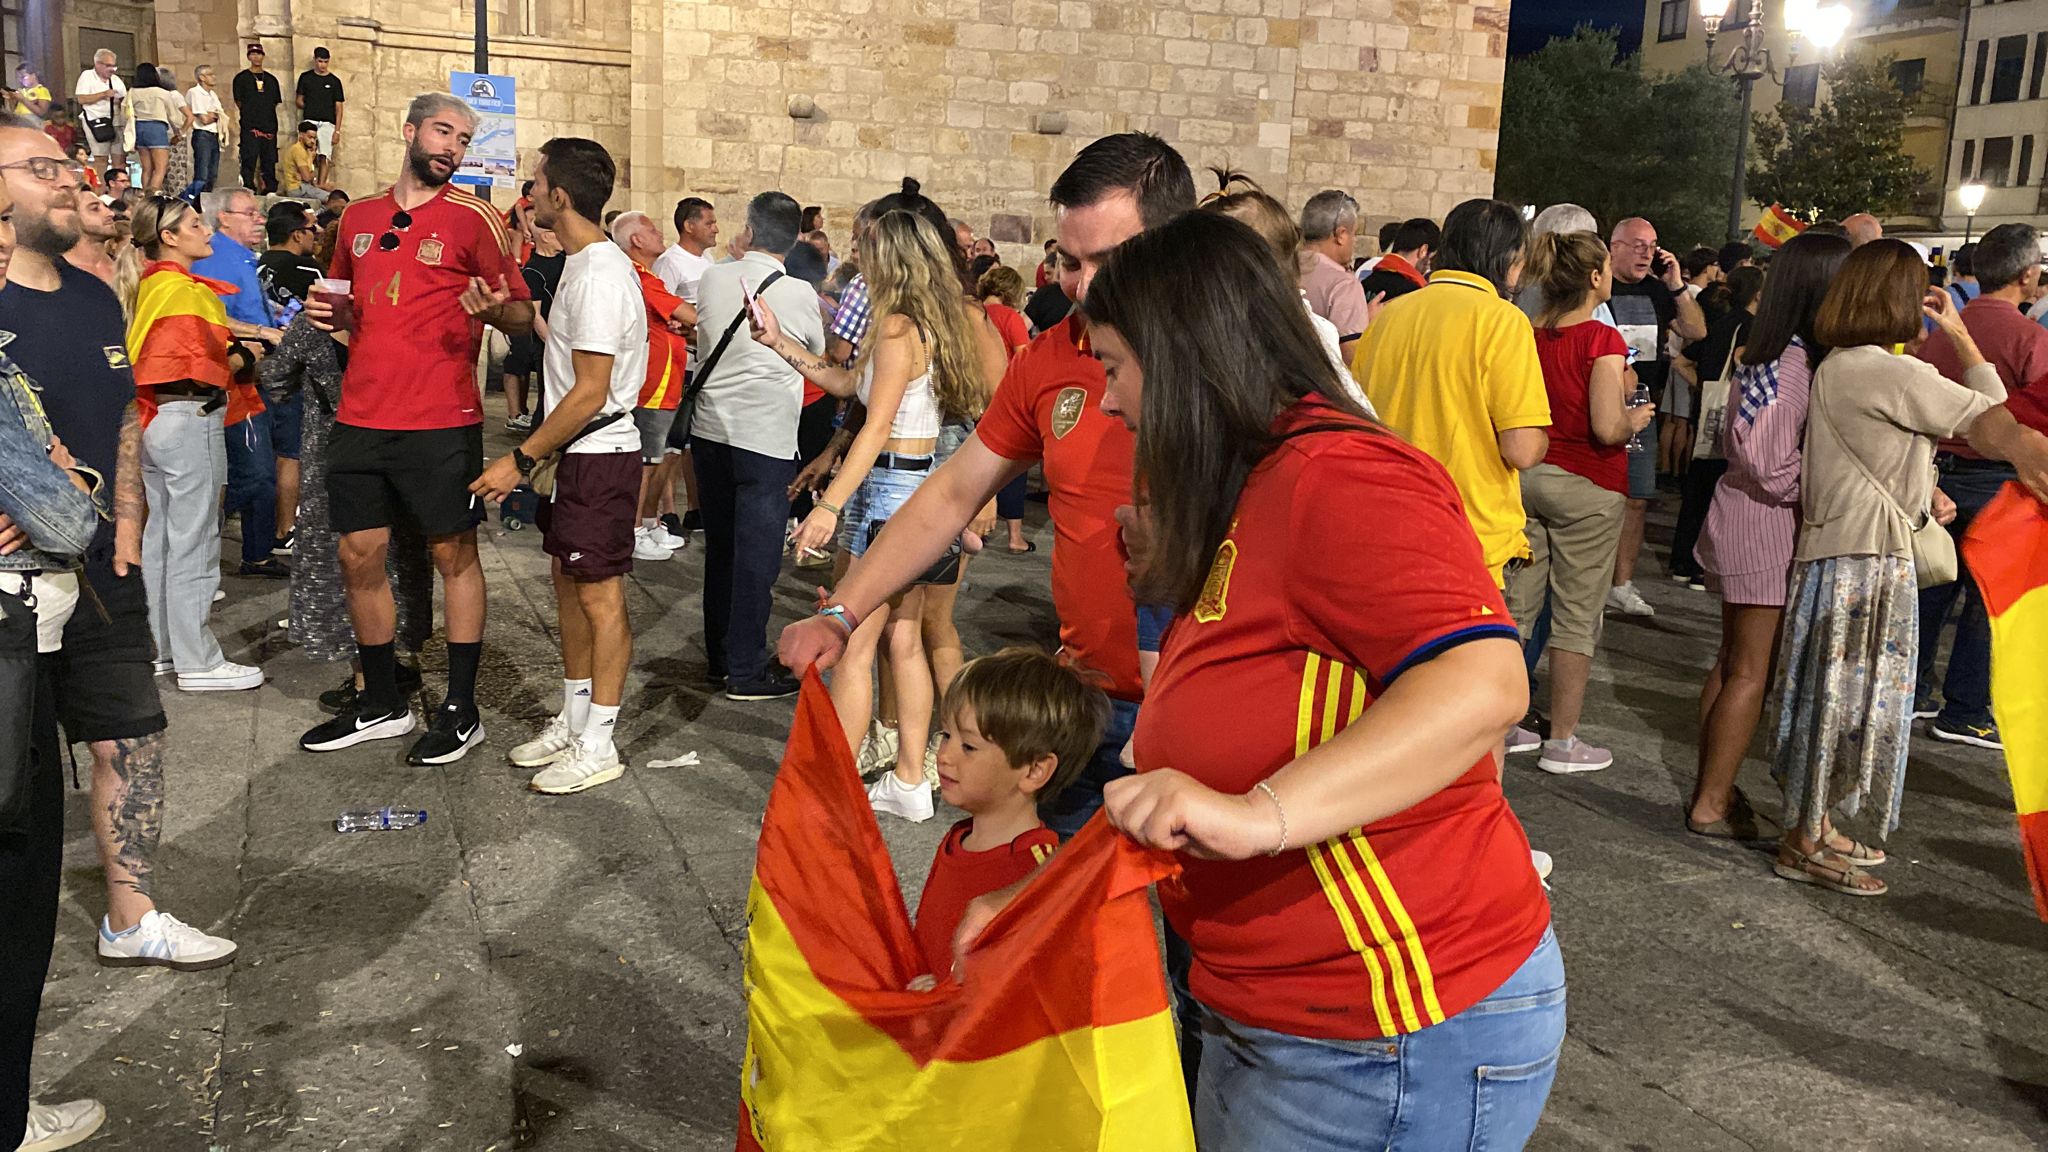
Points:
x=1030, y=705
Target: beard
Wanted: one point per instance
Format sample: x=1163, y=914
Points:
x=422, y=165
x=43, y=235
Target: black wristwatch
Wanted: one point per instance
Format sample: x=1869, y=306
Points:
x=523, y=462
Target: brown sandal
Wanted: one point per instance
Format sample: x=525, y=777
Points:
x=1858, y=853
x=1815, y=869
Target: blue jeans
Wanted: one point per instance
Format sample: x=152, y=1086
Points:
x=1966, y=690
x=1010, y=498
x=744, y=498
x=206, y=159
x=1475, y=1083
x=1072, y=807
x=252, y=485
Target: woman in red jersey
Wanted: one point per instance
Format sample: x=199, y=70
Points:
x=1373, y=954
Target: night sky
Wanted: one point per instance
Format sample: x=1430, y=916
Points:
x=1532, y=22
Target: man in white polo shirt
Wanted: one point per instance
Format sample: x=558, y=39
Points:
x=102, y=100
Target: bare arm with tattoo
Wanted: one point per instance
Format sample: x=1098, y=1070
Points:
x=130, y=508
x=836, y=379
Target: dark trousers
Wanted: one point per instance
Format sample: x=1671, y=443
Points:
x=252, y=485
x=1966, y=690
x=744, y=499
x=31, y=859
x=1696, y=497
x=206, y=159
x=813, y=432
x=259, y=158
x=1010, y=498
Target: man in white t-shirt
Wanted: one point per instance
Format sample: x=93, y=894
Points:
x=682, y=263
x=595, y=361
x=102, y=97
x=207, y=114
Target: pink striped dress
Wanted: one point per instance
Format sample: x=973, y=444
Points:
x=1753, y=523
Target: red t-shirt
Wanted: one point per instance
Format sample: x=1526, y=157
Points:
x=667, y=354
x=1010, y=323
x=958, y=876
x=412, y=361
x=2029, y=405
x=1310, y=611
x=1567, y=355
x=2015, y=345
x=1049, y=407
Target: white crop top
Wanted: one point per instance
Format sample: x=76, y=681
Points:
x=917, y=414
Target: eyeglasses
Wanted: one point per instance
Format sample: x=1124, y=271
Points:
x=46, y=169
x=400, y=221
x=1638, y=245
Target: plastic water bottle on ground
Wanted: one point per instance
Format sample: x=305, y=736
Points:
x=385, y=819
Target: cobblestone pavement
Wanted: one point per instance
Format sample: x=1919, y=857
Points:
x=382, y=977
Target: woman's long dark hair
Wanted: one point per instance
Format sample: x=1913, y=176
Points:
x=1793, y=289
x=910, y=199
x=1225, y=346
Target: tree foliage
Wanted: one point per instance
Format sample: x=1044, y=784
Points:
x=1581, y=124
x=1843, y=156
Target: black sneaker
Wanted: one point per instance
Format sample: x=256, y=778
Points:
x=335, y=701
x=673, y=524
x=1975, y=735
x=693, y=521
x=353, y=727
x=774, y=685
x=452, y=731
x=285, y=544
x=270, y=569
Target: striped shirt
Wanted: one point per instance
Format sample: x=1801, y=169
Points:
x=1753, y=523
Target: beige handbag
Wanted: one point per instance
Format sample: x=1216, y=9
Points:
x=1934, y=550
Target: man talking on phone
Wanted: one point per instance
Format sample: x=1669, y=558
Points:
x=1649, y=303
x=743, y=439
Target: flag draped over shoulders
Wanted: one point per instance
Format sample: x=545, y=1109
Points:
x=1058, y=1037
x=179, y=332
x=2007, y=550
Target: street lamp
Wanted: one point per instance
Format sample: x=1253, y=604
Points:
x=1972, y=197
x=1750, y=61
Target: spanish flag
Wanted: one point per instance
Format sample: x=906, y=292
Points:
x=2007, y=548
x=1777, y=226
x=179, y=332
x=1058, y=1037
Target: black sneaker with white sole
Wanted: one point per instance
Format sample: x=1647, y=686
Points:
x=773, y=685
x=452, y=731
x=356, y=726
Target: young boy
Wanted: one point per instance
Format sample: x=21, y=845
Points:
x=1019, y=725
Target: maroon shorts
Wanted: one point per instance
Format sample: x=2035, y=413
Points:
x=588, y=526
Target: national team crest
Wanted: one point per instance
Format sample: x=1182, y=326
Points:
x=361, y=246
x=1066, y=411
x=430, y=251
x=1215, y=599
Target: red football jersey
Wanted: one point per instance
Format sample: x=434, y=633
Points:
x=412, y=359
x=958, y=876
x=1349, y=561
x=667, y=354
x=1049, y=407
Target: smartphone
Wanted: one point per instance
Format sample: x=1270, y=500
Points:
x=1661, y=266
x=751, y=302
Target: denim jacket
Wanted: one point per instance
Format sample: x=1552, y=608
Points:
x=60, y=520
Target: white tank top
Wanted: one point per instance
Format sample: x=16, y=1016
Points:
x=917, y=414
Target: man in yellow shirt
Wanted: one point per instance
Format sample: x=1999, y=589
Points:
x=1452, y=367
x=31, y=95
x=302, y=164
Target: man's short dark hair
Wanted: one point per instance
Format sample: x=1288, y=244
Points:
x=773, y=217
x=1483, y=238
x=1420, y=232
x=1388, y=231
x=1964, y=262
x=1135, y=162
x=284, y=219
x=333, y=192
x=2005, y=254
x=1733, y=254
x=582, y=169
x=688, y=209
x=1698, y=260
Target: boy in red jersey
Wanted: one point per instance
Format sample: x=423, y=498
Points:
x=1019, y=727
x=428, y=267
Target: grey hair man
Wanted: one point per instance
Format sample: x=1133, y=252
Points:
x=203, y=101
x=101, y=95
x=1329, y=227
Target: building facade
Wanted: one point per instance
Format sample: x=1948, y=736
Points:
x=2001, y=117
x=983, y=101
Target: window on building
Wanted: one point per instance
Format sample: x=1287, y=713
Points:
x=10, y=42
x=2008, y=67
x=1994, y=169
x=2040, y=59
x=1977, y=72
x=1802, y=85
x=1968, y=170
x=1673, y=18
x=1909, y=76
x=2026, y=169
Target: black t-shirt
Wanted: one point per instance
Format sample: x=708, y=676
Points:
x=257, y=95
x=321, y=94
x=285, y=276
x=1047, y=306
x=1724, y=336
x=1644, y=311
x=74, y=344
x=543, y=278
x=1388, y=283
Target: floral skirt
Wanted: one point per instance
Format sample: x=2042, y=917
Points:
x=1845, y=688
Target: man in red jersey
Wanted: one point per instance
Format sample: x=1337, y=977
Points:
x=428, y=267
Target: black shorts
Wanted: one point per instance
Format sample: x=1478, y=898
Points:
x=415, y=478
x=588, y=526
x=105, y=684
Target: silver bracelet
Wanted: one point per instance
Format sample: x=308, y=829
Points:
x=1281, y=809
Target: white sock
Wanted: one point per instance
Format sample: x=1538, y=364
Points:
x=597, y=734
x=647, y=523
x=576, y=704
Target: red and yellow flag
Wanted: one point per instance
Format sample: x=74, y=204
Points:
x=1777, y=226
x=179, y=332
x=2007, y=548
x=1058, y=1038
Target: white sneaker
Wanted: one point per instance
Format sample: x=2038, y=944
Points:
x=578, y=770
x=913, y=802
x=661, y=538
x=1541, y=862
x=879, y=750
x=54, y=1126
x=219, y=594
x=227, y=677
x=162, y=940
x=645, y=547
x=546, y=748
x=1628, y=601
x=164, y=667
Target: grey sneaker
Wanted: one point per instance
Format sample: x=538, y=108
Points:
x=1571, y=754
x=54, y=1126
x=1628, y=601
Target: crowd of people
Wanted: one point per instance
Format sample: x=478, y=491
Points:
x=1211, y=390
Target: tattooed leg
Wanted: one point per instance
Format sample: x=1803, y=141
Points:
x=127, y=821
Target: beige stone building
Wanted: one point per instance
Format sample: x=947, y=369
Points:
x=983, y=101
